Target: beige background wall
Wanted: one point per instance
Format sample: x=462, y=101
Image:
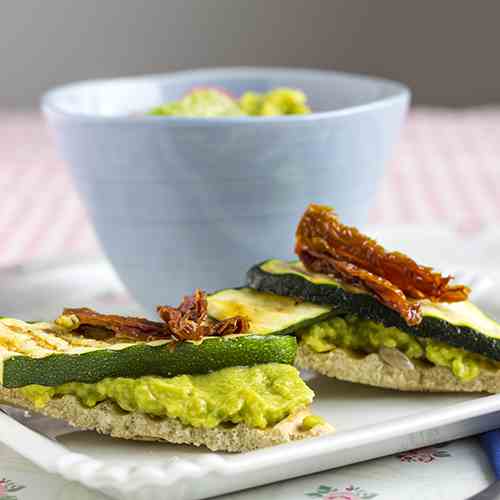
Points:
x=446, y=50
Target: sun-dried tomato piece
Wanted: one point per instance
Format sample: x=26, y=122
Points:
x=325, y=245
x=121, y=326
x=389, y=294
x=190, y=321
x=181, y=326
x=195, y=307
x=231, y=326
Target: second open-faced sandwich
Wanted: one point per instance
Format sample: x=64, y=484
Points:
x=366, y=315
x=186, y=379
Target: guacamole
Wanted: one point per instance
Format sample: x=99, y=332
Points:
x=280, y=101
x=208, y=102
x=357, y=334
x=312, y=421
x=259, y=396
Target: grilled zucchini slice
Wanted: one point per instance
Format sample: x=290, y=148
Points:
x=460, y=324
x=269, y=314
x=39, y=354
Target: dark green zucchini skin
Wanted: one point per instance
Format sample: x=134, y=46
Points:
x=139, y=360
x=368, y=307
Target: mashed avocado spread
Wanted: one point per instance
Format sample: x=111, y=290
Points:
x=357, y=334
x=259, y=396
x=212, y=102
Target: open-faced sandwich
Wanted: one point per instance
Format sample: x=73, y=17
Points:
x=366, y=315
x=185, y=379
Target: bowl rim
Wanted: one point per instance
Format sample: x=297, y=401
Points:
x=49, y=100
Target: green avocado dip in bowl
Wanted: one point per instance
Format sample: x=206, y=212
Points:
x=212, y=102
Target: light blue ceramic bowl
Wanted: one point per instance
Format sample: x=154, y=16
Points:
x=180, y=203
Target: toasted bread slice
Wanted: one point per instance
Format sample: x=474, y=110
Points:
x=108, y=418
x=370, y=369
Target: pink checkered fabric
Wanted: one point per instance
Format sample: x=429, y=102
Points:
x=446, y=169
x=41, y=215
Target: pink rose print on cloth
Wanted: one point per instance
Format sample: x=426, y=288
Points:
x=7, y=487
x=424, y=455
x=349, y=493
